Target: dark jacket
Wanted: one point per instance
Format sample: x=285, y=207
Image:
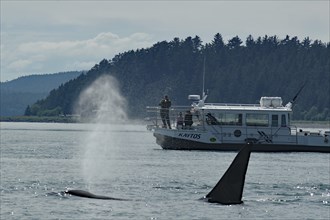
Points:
x=165, y=104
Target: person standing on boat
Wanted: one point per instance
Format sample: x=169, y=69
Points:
x=165, y=105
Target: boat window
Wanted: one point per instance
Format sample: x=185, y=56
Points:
x=274, y=120
x=283, y=121
x=229, y=119
x=257, y=120
x=211, y=120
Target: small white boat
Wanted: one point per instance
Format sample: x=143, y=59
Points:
x=227, y=127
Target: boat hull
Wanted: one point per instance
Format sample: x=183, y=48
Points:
x=172, y=143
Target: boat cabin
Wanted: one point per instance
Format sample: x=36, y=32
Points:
x=269, y=115
x=247, y=115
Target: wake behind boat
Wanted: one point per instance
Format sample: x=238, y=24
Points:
x=226, y=127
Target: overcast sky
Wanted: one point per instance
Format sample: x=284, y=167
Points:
x=39, y=37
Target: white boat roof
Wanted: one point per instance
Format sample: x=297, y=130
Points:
x=242, y=107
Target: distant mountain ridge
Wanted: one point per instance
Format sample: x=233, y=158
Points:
x=39, y=83
x=26, y=90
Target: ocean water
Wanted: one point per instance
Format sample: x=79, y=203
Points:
x=41, y=160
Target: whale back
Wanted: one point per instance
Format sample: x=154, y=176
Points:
x=85, y=194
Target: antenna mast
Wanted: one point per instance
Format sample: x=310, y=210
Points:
x=203, y=92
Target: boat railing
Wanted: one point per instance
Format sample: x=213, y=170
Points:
x=154, y=118
x=232, y=104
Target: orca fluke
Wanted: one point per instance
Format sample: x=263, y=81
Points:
x=85, y=194
x=229, y=189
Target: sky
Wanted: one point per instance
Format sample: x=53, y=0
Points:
x=43, y=36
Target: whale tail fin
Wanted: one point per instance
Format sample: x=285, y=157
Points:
x=229, y=189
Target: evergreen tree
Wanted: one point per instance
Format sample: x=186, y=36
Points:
x=235, y=73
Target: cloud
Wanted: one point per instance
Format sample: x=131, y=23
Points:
x=33, y=57
x=52, y=36
x=19, y=64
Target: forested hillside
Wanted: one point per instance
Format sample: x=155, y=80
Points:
x=26, y=90
x=235, y=72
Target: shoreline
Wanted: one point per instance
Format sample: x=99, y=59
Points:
x=66, y=119
x=44, y=119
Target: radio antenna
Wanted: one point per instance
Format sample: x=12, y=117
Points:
x=291, y=103
x=203, y=92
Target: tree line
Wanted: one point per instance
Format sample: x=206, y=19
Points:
x=235, y=72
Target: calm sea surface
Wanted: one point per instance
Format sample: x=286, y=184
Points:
x=39, y=161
